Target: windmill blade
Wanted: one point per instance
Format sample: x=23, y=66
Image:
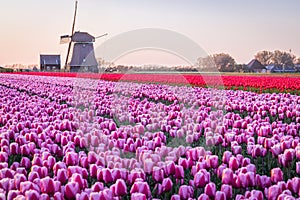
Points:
x=101, y=36
x=73, y=26
x=65, y=39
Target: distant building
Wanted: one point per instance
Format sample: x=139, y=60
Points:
x=255, y=66
x=50, y=63
x=276, y=68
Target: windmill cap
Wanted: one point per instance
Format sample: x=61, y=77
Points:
x=82, y=37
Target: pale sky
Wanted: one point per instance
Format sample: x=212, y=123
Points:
x=239, y=28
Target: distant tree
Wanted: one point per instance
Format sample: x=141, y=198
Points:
x=224, y=62
x=264, y=57
x=205, y=62
x=283, y=58
x=297, y=61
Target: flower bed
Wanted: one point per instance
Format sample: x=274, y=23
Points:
x=74, y=138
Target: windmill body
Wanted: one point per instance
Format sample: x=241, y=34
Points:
x=83, y=55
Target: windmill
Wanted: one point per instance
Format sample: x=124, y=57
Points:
x=83, y=55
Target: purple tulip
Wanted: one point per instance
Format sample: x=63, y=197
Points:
x=121, y=188
x=210, y=190
x=167, y=185
x=227, y=176
x=276, y=175
x=186, y=192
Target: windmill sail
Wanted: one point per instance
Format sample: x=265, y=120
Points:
x=64, y=39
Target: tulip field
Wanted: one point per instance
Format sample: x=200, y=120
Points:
x=146, y=137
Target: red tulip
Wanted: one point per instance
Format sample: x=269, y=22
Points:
x=186, y=192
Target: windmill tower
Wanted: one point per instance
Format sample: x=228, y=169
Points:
x=83, y=56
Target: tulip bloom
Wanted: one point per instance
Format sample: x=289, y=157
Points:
x=167, y=185
x=121, y=188
x=157, y=174
x=276, y=175
x=227, y=176
x=186, y=192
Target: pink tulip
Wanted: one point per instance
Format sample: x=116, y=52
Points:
x=200, y=179
x=227, y=176
x=12, y=194
x=170, y=168
x=18, y=178
x=157, y=174
x=148, y=166
x=58, y=196
x=276, y=175
x=273, y=192
x=210, y=189
x=227, y=189
x=78, y=179
x=220, y=196
x=62, y=176
x=203, y=197
x=175, y=197
x=97, y=187
x=85, y=196
x=71, y=158
x=298, y=167
x=121, y=188
x=179, y=172
x=32, y=195
x=186, y=192
x=167, y=185
x=71, y=189
x=250, y=176
x=138, y=196
x=233, y=163
x=94, y=196
x=226, y=157
x=47, y=185
x=212, y=160
x=141, y=187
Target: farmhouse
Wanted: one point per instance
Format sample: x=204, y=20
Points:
x=255, y=66
x=50, y=62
